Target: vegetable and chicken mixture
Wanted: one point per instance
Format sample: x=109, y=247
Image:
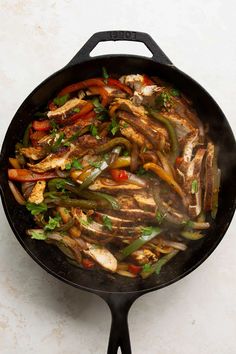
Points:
x=118, y=173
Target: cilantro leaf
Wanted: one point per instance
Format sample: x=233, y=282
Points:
x=76, y=109
x=36, y=209
x=175, y=92
x=68, y=166
x=38, y=235
x=126, y=153
x=114, y=127
x=194, y=186
x=98, y=107
x=60, y=101
x=96, y=164
x=53, y=223
x=163, y=100
x=105, y=74
x=159, y=217
x=85, y=222
x=107, y=222
x=77, y=164
x=94, y=131
x=58, y=142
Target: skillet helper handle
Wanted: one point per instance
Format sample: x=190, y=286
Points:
x=84, y=54
x=119, y=335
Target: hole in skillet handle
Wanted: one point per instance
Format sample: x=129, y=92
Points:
x=84, y=53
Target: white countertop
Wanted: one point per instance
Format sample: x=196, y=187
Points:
x=40, y=314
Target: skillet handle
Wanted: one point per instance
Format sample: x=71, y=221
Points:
x=119, y=335
x=84, y=53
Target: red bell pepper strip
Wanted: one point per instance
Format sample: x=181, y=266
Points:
x=119, y=175
x=24, y=175
x=77, y=119
x=117, y=83
x=42, y=125
x=147, y=81
x=81, y=85
x=96, y=90
x=88, y=263
x=134, y=269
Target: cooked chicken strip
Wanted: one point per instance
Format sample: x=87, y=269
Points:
x=66, y=108
x=56, y=160
x=34, y=153
x=36, y=196
x=102, y=256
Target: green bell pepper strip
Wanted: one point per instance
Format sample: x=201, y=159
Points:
x=26, y=136
x=112, y=143
x=170, y=129
x=139, y=242
x=156, y=267
x=72, y=187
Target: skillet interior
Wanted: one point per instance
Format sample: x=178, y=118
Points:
x=48, y=256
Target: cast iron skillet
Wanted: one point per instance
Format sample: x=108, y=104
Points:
x=119, y=292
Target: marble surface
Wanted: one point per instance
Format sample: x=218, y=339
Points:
x=39, y=314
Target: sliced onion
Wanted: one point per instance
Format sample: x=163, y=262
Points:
x=177, y=245
x=125, y=273
x=62, y=174
x=16, y=193
x=27, y=188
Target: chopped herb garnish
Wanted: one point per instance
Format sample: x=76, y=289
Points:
x=38, y=235
x=53, y=223
x=68, y=166
x=36, y=209
x=194, y=186
x=107, y=222
x=175, y=92
x=188, y=223
x=59, y=183
x=126, y=153
x=114, y=127
x=77, y=164
x=96, y=164
x=147, y=267
x=54, y=126
x=144, y=149
x=58, y=142
x=105, y=74
x=85, y=222
x=101, y=111
x=163, y=100
x=60, y=101
x=160, y=217
x=94, y=131
x=76, y=109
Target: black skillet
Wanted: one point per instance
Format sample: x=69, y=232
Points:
x=119, y=292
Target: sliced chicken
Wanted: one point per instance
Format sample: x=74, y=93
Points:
x=193, y=185
x=182, y=126
x=36, y=196
x=66, y=108
x=145, y=202
x=34, y=153
x=134, y=81
x=102, y=256
x=106, y=184
x=144, y=256
x=57, y=160
x=129, y=132
x=209, y=177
